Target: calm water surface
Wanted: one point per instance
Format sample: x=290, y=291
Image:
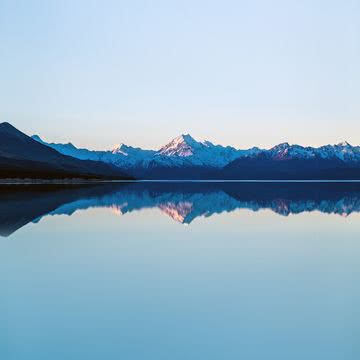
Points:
x=180, y=271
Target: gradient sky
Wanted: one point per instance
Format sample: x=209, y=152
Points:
x=243, y=73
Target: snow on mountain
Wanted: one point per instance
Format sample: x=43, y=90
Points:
x=185, y=151
x=285, y=151
x=70, y=150
x=342, y=151
x=183, y=145
x=121, y=155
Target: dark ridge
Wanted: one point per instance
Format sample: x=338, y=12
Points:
x=263, y=168
x=23, y=157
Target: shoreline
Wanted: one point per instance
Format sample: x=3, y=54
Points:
x=99, y=181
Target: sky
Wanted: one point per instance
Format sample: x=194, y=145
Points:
x=234, y=72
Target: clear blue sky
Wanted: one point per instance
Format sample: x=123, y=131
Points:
x=244, y=73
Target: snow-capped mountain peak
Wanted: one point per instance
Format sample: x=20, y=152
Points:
x=344, y=144
x=184, y=150
x=280, y=151
x=183, y=145
x=186, y=138
x=281, y=147
x=120, y=149
x=285, y=151
x=117, y=147
x=207, y=143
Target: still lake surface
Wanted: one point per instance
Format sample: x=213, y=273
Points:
x=180, y=271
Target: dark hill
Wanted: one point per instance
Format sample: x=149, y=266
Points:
x=23, y=157
x=264, y=168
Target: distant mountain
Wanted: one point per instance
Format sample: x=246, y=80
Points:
x=186, y=151
x=285, y=161
x=121, y=155
x=182, y=152
x=21, y=156
x=342, y=151
x=186, y=158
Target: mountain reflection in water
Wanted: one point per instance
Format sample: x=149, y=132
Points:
x=183, y=202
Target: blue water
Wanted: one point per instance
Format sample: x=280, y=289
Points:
x=156, y=271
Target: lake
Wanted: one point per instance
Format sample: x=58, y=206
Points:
x=180, y=271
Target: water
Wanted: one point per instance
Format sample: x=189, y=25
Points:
x=180, y=271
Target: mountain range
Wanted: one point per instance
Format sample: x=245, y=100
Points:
x=184, y=157
x=183, y=151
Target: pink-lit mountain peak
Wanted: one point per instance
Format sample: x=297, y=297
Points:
x=183, y=145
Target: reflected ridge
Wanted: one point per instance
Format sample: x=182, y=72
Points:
x=183, y=202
